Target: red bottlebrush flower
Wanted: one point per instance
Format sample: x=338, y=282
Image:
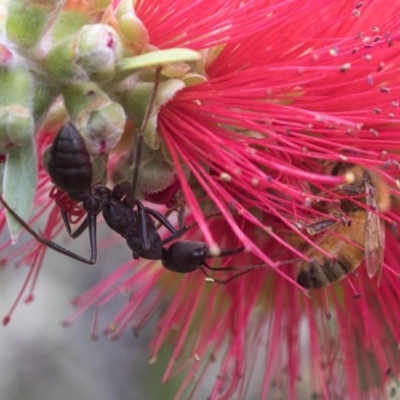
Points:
x=275, y=102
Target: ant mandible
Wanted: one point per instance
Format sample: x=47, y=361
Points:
x=70, y=168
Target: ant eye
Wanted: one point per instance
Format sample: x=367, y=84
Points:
x=199, y=253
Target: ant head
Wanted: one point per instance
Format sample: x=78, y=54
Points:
x=185, y=256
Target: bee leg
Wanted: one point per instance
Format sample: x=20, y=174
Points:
x=320, y=226
x=340, y=215
x=351, y=190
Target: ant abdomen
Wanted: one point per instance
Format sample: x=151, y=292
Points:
x=69, y=165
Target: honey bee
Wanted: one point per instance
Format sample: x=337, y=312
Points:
x=363, y=237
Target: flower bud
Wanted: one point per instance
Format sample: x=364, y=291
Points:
x=16, y=127
x=103, y=128
x=99, y=50
x=90, y=54
x=158, y=181
x=6, y=54
x=137, y=99
x=131, y=26
x=100, y=121
x=16, y=120
x=27, y=19
x=155, y=176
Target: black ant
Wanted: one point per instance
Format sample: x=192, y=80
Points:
x=70, y=169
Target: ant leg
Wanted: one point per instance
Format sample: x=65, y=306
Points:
x=162, y=219
x=143, y=213
x=176, y=235
x=54, y=245
x=184, y=229
x=181, y=217
x=144, y=237
x=79, y=230
x=248, y=269
x=140, y=138
x=123, y=188
x=178, y=204
x=181, y=212
x=92, y=237
x=166, y=215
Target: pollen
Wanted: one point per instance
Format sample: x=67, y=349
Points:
x=334, y=52
x=345, y=67
x=374, y=132
x=349, y=177
x=225, y=177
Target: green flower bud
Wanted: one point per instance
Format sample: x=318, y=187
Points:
x=15, y=87
x=16, y=120
x=90, y=54
x=157, y=181
x=131, y=26
x=99, y=50
x=26, y=20
x=100, y=120
x=68, y=23
x=16, y=127
x=102, y=128
x=137, y=99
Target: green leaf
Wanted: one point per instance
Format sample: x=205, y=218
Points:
x=19, y=184
x=158, y=58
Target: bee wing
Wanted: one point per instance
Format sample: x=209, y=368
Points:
x=374, y=238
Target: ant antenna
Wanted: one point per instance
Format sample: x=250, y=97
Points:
x=140, y=136
x=246, y=269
